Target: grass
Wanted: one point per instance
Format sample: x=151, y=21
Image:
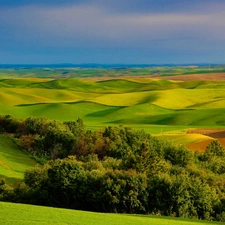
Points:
x=21, y=214
x=13, y=161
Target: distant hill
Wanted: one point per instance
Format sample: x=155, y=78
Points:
x=96, y=65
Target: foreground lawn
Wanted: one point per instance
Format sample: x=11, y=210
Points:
x=21, y=214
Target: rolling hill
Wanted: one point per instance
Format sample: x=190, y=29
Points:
x=150, y=103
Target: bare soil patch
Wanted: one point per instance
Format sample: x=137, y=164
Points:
x=218, y=134
x=214, y=133
x=190, y=77
x=200, y=145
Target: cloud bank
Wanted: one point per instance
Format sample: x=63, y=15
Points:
x=96, y=31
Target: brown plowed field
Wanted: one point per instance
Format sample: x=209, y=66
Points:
x=218, y=134
x=214, y=133
x=189, y=77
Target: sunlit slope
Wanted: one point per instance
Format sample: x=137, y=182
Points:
x=126, y=99
x=191, y=98
x=13, y=161
x=122, y=101
x=184, y=139
x=21, y=214
x=17, y=96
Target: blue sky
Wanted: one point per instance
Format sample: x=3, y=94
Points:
x=112, y=31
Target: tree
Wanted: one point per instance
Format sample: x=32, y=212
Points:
x=9, y=124
x=76, y=127
x=214, y=148
x=214, y=157
x=179, y=155
x=66, y=183
x=36, y=125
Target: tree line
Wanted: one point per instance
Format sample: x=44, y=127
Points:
x=115, y=169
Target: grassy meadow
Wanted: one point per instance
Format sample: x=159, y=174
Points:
x=21, y=214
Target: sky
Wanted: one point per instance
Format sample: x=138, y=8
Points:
x=112, y=31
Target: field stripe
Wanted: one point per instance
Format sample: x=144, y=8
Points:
x=5, y=164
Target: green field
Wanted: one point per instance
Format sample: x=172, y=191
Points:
x=122, y=101
x=20, y=214
x=159, y=106
x=13, y=161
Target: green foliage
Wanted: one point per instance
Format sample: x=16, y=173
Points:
x=214, y=157
x=35, y=125
x=125, y=191
x=5, y=189
x=9, y=124
x=179, y=156
x=123, y=143
x=43, y=137
x=33, y=177
x=182, y=195
x=214, y=149
x=117, y=169
x=65, y=183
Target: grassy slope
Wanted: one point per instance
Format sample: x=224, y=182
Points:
x=20, y=214
x=13, y=162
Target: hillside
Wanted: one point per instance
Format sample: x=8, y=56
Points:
x=13, y=161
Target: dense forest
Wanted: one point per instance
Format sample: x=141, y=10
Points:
x=115, y=169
